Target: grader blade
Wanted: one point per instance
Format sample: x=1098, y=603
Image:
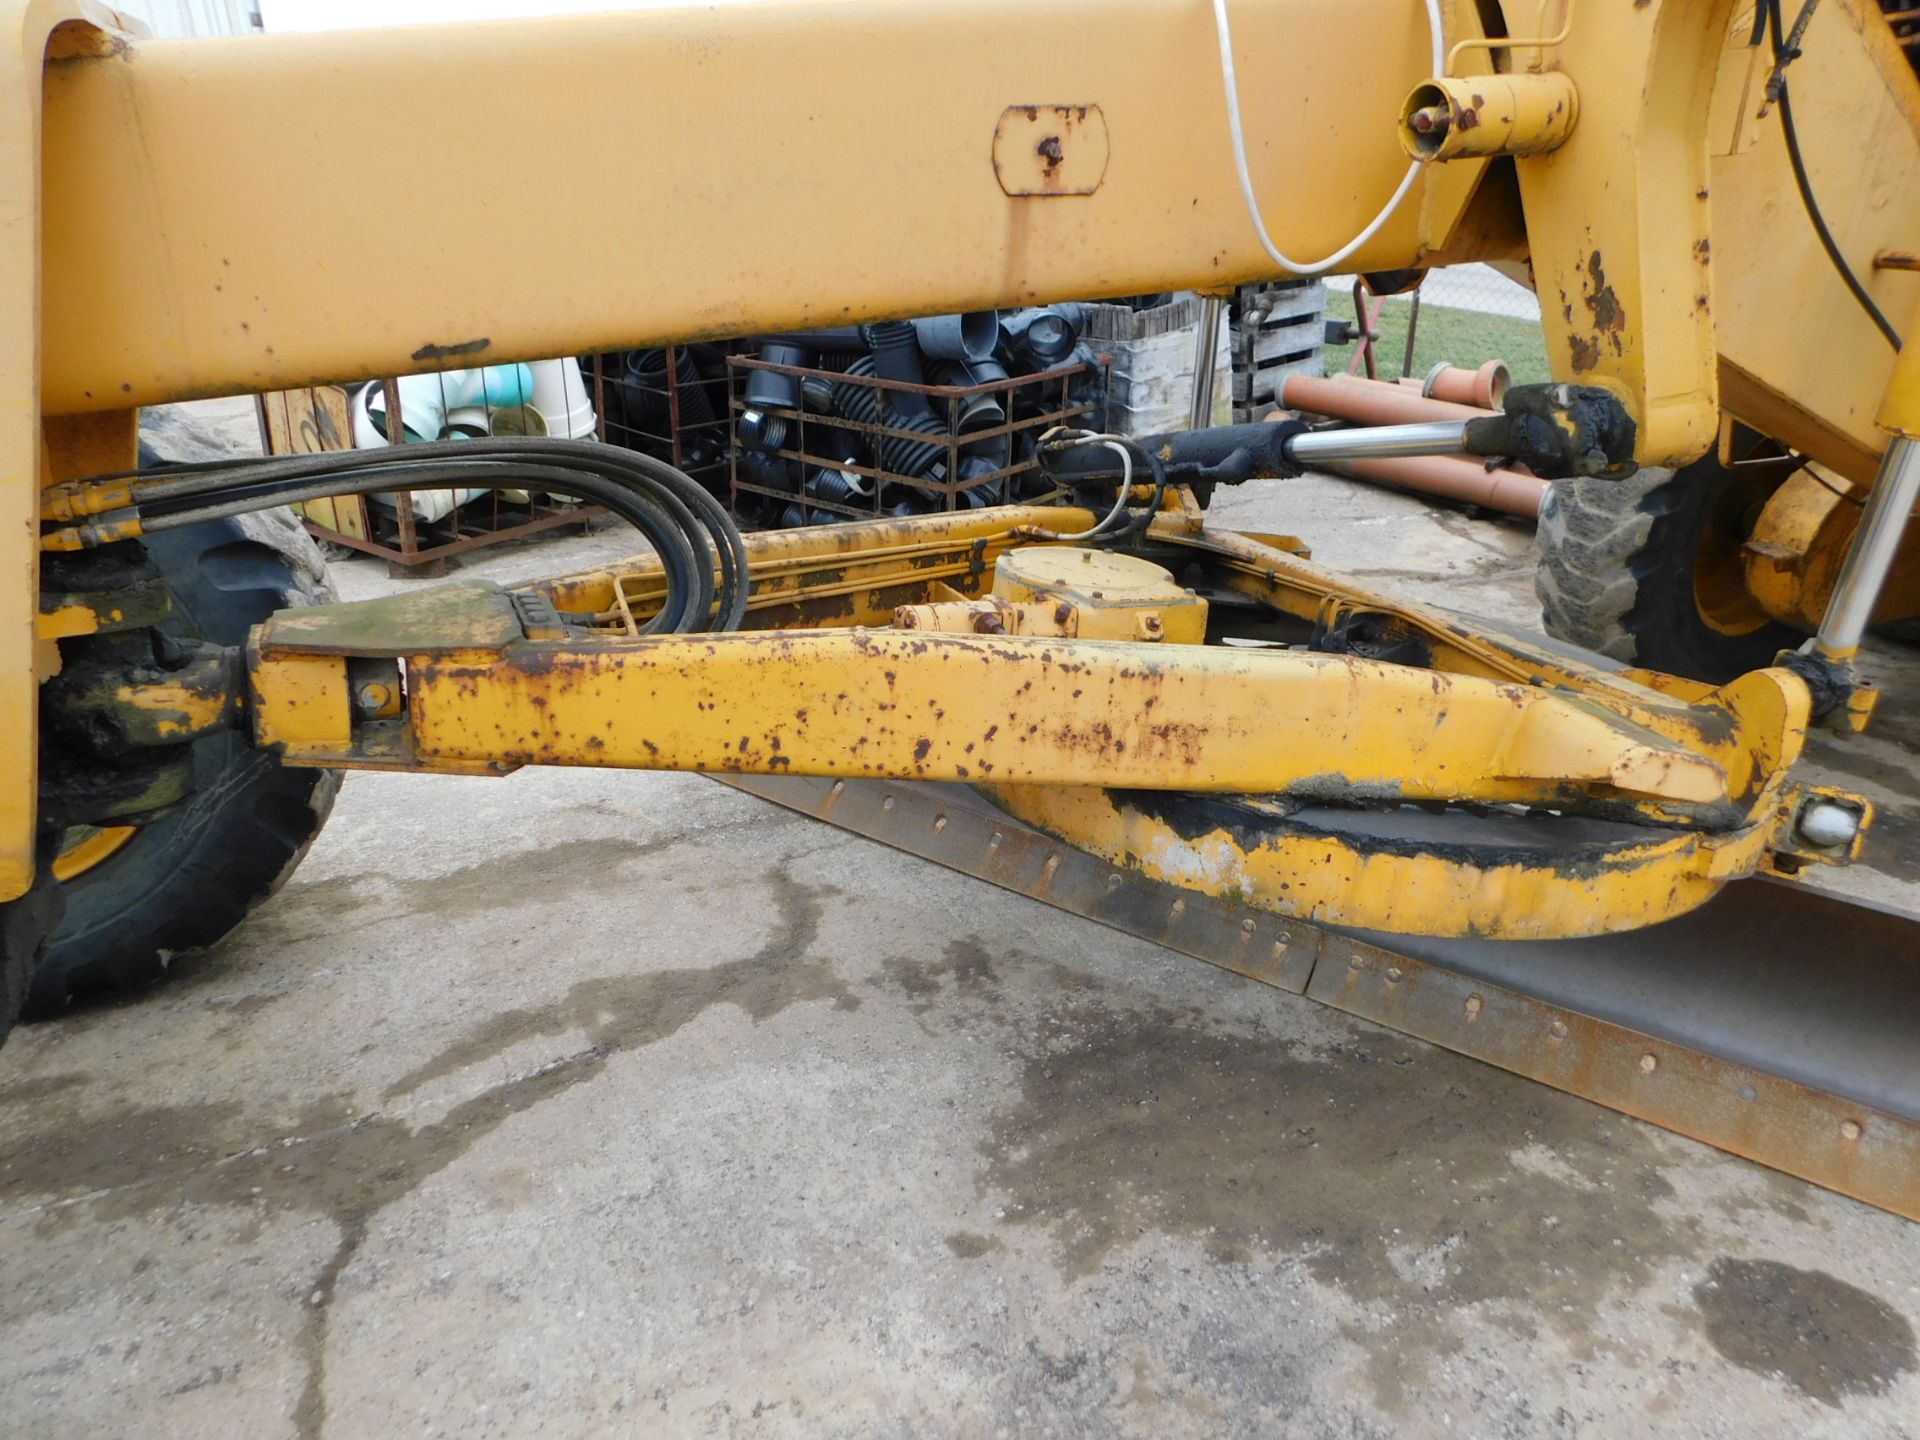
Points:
x=1774, y=1023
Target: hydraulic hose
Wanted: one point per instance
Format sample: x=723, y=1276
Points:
x=687, y=526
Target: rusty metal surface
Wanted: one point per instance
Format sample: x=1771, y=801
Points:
x=1800, y=1066
x=1050, y=149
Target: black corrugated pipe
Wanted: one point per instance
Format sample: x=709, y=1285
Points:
x=768, y=390
x=903, y=501
x=964, y=335
x=860, y=402
x=836, y=337
x=977, y=412
x=647, y=369
x=970, y=335
x=1042, y=337
x=896, y=357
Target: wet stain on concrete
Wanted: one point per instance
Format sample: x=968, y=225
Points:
x=500, y=882
x=125, y=1147
x=39, y=1087
x=964, y=965
x=1825, y=1338
x=161, y=1161
x=970, y=1246
x=1385, y=1167
x=242, y=1006
x=624, y=1012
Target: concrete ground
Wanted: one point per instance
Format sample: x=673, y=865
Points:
x=581, y=1103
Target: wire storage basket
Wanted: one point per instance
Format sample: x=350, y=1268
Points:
x=858, y=445
x=670, y=402
x=419, y=531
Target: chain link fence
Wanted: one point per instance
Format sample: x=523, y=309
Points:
x=1461, y=315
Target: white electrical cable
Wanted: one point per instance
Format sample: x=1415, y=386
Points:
x=1115, y=443
x=1240, y=152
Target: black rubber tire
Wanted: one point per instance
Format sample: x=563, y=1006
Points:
x=186, y=880
x=1616, y=572
x=26, y=928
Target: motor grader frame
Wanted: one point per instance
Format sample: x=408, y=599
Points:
x=1352, y=759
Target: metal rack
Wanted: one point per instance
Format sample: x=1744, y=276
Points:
x=1029, y=405
x=666, y=403
x=318, y=418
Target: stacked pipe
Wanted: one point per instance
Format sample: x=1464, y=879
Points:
x=670, y=416
x=1376, y=402
x=958, y=351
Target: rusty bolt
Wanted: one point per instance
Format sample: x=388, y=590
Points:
x=1849, y=1129
x=1394, y=975
x=1430, y=118
x=1149, y=627
x=370, y=697
x=987, y=622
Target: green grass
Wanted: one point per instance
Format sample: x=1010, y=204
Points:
x=1460, y=337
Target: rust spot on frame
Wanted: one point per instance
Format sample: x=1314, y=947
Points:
x=431, y=351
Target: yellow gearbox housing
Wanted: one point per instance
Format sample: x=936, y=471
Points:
x=1113, y=597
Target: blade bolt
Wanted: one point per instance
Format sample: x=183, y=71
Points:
x=1849, y=1129
x=1648, y=1064
x=1827, y=824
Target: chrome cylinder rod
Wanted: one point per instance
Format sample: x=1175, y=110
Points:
x=1205, y=350
x=1875, y=543
x=1381, y=442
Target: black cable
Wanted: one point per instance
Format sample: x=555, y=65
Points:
x=687, y=526
x=668, y=526
x=1139, y=520
x=1784, y=54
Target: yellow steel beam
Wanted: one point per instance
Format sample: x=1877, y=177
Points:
x=1800, y=361
x=1752, y=727
x=256, y=213
x=36, y=32
x=950, y=707
x=1411, y=882
x=1618, y=216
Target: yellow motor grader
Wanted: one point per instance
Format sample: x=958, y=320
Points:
x=1716, y=203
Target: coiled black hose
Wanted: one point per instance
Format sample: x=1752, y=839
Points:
x=689, y=529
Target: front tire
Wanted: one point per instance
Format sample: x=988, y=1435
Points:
x=182, y=882
x=1647, y=570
